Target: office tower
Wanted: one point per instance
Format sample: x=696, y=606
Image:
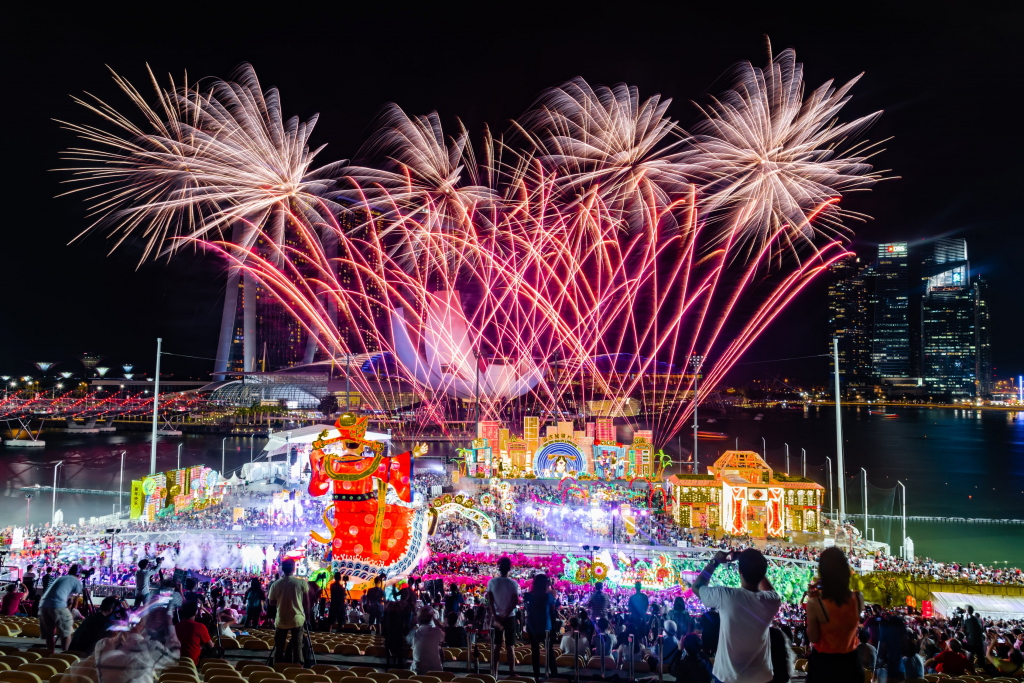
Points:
x=890, y=343
x=948, y=336
x=851, y=320
x=982, y=338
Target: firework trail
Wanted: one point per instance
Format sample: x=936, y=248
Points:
x=579, y=260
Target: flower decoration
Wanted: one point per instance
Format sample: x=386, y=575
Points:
x=600, y=571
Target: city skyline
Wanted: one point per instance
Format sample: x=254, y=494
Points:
x=189, y=293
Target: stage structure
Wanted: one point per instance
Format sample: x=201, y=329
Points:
x=561, y=452
x=744, y=496
x=173, y=492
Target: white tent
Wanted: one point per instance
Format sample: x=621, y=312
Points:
x=989, y=606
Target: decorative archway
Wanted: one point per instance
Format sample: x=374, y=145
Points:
x=464, y=507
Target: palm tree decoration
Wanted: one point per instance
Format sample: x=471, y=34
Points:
x=463, y=459
x=664, y=460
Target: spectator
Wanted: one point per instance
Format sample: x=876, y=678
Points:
x=54, y=615
x=13, y=595
x=254, y=599
x=426, y=642
x=782, y=655
x=913, y=664
x=397, y=623
x=288, y=596
x=638, y=604
x=373, y=603
x=833, y=622
x=142, y=580
x=95, y=627
x=502, y=600
x=951, y=661
x=744, y=647
x=865, y=651
x=975, y=636
x=569, y=640
x=226, y=618
x=693, y=666
x=336, y=613
x=355, y=615
x=598, y=603
x=192, y=635
x=29, y=579
x=681, y=617
x=1007, y=661
x=540, y=603
x=892, y=635
x=454, y=635
x=670, y=645
x=604, y=643
x=454, y=600
x=47, y=578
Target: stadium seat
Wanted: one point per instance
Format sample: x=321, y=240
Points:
x=323, y=668
x=595, y=663
x=58, y=664
x=382, y=677
x=13, y=662
x=338, y=675
x=255, y=644
x=442, y=675
x=44, y=672
x=215, y=677
x=19, y=677
x=362, y=670
x=9, y=630
x=291, y=671
x=259, y=676
x=69, y=678
x=30, y=630
x=312, y=678
x=347, y=649
x=68, y=657
x=8, y=650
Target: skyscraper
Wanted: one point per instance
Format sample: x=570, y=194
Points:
x=948, y=336
x=851, y=320
x=982, y=338
x=890, y=343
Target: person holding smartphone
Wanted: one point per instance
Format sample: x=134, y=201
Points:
x=746, y=613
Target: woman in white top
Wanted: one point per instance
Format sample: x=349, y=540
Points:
x=568, y=644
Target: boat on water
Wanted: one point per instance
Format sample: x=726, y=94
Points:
x=712, y=436
x=876, y=412
x=890, y=416
x=759, y=416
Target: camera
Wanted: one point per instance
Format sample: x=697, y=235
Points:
x=86, y=573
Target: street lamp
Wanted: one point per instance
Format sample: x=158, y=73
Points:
x=904, y=515
x=53, y=510
x=831, y=509
x=179, y=454
x=222, y=442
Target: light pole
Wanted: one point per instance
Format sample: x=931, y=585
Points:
x=156, y=403
x=53, y=509
x=179, y=454
x=222, y=442
x=831, y=506
x=864, y=474
x=695, y=363
x=803, y=463
x=120, y=488
x=764, y=450
x=840, y=474
x=787, y=459
x=28, y=509
x=251, y=437
x=904, y=515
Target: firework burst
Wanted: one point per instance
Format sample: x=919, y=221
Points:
x=575, y=264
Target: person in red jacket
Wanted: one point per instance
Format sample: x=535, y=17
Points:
x=950, y=661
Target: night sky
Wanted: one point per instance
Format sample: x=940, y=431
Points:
x=947, y=78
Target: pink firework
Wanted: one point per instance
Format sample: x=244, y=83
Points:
x=567, y=268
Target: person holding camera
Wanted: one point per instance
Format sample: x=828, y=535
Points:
x=746, y=613
x=833, y=622
x=143, y=578
x=54, y=615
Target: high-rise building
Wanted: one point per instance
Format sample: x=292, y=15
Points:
x=948, y=335
x=851, y=320
x=982, y=338
x=890, y=343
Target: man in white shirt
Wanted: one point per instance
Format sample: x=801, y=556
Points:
x=744, y=649
x=426, y=642
x=502, y=599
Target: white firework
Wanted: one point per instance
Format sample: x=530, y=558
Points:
x=204, y=159
x=773, y=164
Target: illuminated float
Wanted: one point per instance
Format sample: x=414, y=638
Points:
x=375, y=529
x=744, y=496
